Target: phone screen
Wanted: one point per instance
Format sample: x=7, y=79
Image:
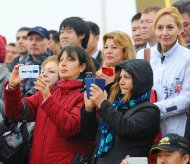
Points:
x=29, y=71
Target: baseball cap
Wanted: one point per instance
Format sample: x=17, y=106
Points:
x=39, y=30
x=171, y=142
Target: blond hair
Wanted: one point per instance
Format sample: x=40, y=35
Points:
x=49, y=59
x=172, y=11
x=123, y=41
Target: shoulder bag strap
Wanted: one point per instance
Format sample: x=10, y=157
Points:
x=147, y=54
x=25, y=110
x=153, y=97
x=24, y=130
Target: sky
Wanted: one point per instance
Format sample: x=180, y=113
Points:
x=110, y=15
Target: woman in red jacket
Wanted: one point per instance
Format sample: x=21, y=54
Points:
x=56, y=110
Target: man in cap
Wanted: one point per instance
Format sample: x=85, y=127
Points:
x=172, y=149
x=38, y=50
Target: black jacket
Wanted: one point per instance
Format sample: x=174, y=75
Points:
x=134, y=129
x=96, y=64
x=187, y=126
x=99, y=58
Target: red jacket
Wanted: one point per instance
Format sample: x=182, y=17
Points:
x=57, y=121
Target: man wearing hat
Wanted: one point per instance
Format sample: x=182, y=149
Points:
x=38, y=50
x=172, y=149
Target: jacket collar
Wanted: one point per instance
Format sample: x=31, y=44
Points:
x=168, y=52
x=69, y=84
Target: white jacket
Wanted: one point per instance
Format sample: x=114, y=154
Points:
x=172, y=84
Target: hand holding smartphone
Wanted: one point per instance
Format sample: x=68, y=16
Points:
x=98, y=81
x=107, y=71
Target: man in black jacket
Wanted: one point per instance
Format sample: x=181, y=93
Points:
x=92, y=47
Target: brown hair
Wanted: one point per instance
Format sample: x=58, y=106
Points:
x=76, y=52
x=151, y=9
x=172, y=11
x=115, y=90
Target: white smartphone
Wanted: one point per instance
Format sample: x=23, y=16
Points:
x=29, y=71
x=137, y=160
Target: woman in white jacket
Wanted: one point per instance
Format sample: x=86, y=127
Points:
x=170, y=62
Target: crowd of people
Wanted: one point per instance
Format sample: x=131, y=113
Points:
x=119, y=122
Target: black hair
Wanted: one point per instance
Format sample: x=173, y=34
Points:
x=55, y=35
x=94, y=28
x=83, y=57
x=136, y=17
x=183, y=7
x=182, y=152
x=11, y=44
x=80, y=26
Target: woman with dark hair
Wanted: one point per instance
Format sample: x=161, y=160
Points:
x=128, y=122
x=55, y=110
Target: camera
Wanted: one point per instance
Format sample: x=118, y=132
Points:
x=29, y=71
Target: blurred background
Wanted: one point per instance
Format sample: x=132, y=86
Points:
x=108, y=14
